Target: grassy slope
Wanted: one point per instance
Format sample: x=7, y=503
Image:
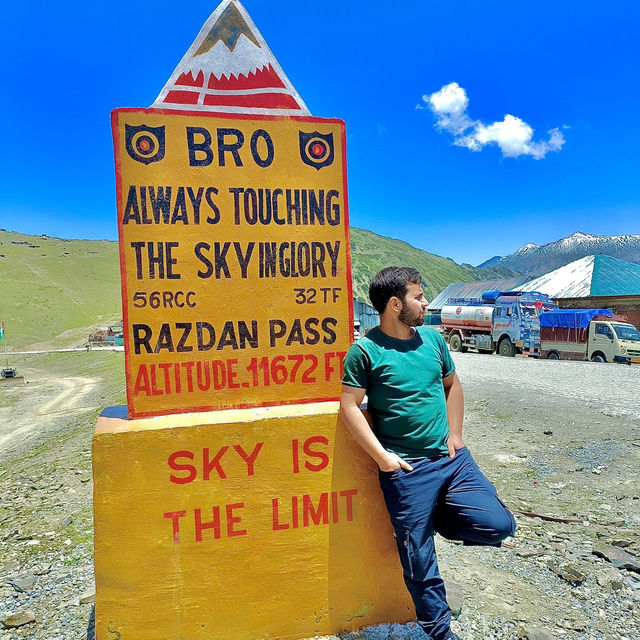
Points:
x=371, y=252
x=55, y=292
x=58, y=287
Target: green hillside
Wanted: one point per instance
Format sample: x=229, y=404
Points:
x=54, y=290
x=371, y=252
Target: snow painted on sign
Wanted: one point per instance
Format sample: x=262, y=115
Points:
x=571, y=281
x=230, y=69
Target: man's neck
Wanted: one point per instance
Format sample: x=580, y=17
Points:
x=396, y=329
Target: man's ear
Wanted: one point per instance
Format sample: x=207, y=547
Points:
x=395, y=303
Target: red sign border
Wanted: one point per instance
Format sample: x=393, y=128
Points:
x=125, y=307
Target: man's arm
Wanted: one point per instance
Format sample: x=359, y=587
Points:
x=455, y=412
x=350, y=401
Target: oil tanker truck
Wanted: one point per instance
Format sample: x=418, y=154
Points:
x=503, y=321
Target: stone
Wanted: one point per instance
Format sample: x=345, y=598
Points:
x=42, y=569
x=455, y=597
x=15, y=620
x=633, y=583
x=528, y=553
x=618, y=557
x=22, y=583
x=621, y=543
x=88, y=596
x=536, y=633
x=603, y=578
x=569, y=572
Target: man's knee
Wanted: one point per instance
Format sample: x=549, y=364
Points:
x=502, y=525
x=509, y=528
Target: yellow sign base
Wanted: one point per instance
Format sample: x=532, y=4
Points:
x=241, y=524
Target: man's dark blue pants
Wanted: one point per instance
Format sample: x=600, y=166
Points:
x=449, y=496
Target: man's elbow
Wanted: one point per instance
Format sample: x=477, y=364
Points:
x=345, y=401
x=348, y=403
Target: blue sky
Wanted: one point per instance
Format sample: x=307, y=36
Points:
x=449, y=174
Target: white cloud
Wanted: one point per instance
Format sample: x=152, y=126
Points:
x=513, y=135
x=450, y=106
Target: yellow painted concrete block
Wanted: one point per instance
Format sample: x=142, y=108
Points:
x=242, y=524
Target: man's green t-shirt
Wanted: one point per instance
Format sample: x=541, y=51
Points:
x=403, y=379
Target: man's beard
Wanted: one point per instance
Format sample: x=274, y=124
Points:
x=410, y=319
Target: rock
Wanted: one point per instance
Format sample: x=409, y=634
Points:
x=569, y=572
x=617, y=557
x=621, y=543
x=68, y=521
x=528, y=553
x=88, y=596
x=22, y=583
x=14, y=620
x=42, y=569
x=455, y=597
x=603, y=578
x=27, y=536
x=535, y=633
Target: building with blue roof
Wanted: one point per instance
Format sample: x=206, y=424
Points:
x=594, y=282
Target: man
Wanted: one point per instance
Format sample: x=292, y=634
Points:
x=428, y=478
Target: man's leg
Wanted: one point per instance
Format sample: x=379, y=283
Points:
x=425, y=585
x=411, y=498
x=469, y=509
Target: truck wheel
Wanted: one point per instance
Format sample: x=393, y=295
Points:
x=455, y=342
x=506, y=348
x=598, y=357
x=553, y=355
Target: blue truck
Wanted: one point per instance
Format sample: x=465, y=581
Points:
x=506, y=322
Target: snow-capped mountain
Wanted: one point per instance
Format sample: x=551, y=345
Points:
x=533, y=259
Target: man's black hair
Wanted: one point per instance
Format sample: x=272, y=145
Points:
x=390, y=282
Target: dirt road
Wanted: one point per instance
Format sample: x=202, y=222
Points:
x=47, y=401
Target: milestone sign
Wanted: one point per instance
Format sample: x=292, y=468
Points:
x=235, y=259
x=237, y=304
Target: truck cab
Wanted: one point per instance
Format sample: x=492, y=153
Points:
x=613, y=342
x=516, y=327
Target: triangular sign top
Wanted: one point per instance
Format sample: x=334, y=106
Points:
x=229, y=68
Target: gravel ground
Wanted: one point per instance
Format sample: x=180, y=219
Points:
x=559, y=439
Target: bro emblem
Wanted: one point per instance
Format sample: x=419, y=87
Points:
x=316, y=149
x=145, y=144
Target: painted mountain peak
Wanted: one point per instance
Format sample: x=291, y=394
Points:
x=229, y=68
